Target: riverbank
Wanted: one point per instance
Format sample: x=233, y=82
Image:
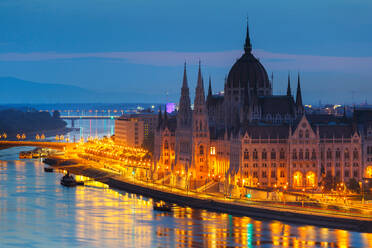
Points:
x=218, y=204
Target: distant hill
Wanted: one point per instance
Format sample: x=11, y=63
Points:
x=14, y=90
x=15, y=121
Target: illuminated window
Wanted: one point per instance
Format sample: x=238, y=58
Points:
x=297, y=179
x=310, y=179
x=369, y=172
x=213, y=150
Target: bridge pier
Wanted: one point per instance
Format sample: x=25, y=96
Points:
x=72, y=123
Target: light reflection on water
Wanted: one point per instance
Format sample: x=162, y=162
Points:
x=36, y=211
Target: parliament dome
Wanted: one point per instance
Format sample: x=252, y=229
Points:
x=248, y=71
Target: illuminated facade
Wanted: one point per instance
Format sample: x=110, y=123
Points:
x=129, y=131
x=248, y=136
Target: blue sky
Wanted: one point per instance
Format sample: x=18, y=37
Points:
x=140, y=45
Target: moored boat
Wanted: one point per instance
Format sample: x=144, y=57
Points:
x=68, y=180
x=48, y=169
x=162, y=206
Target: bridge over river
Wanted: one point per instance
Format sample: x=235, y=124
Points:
x=73, y=118
x=55, y=145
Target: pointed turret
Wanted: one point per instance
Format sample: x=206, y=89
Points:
x=200, y=129
x=184, y=81
x=210, y=87
x=160, y=118
x=165, y=121
x=299, y=106
x=289, y=91
x=184, y=110
x=298, y=95
x=247, y=44
x=199, y=91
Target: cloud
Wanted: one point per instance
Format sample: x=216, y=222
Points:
x=272, y=61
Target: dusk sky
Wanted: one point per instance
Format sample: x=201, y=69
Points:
x=141, y=45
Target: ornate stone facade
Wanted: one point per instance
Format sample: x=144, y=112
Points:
x=248, y=136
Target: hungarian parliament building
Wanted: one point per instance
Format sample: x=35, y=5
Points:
x=250, y=137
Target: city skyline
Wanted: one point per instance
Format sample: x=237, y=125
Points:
x=132, y=47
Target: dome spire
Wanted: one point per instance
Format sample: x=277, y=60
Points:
x=247, y=44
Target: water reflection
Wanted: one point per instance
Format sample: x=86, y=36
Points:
x=36, y=211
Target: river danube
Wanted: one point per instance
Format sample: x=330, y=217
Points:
x=36, y=211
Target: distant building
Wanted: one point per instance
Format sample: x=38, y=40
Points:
x=129, y=131
x=133, y=129
x=250, y=137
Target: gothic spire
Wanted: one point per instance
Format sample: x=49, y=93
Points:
x=210, y=87
x=200, y=78
x=160, y=118
x=184, y=110
x=289, y=92
x=184, y=82
x=199, y=91
x=247, y=44
x=165, y=116
x=298, y=95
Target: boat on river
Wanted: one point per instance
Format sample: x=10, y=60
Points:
x=162, y=206
x=68, y=181
x=48, y=169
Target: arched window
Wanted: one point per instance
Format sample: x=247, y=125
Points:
x=255, y=155
x=307, y=154
x=264, y=154
x=355, y=154
x=294, y=154
x=301, y=154
x=313, y=155
x=201, y=150
x=246, y=154
x=346, y=154
x=282, y=154
x=301, y=134
x=273, y=154
x=329, y=154
x=338, y=154
x=166, y=146
x=200, y=126
x=307, y=134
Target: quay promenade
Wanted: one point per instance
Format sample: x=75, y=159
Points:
x=219, y=203
x=56, y=145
